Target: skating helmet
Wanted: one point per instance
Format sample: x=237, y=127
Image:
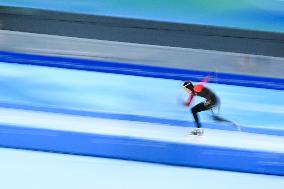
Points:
x=188, y=85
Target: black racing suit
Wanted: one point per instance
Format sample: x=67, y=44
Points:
x=210, y=102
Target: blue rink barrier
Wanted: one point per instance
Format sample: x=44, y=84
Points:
x=141, y=70
x=137, y=149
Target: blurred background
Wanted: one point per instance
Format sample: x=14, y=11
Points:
x=91, y=93
x=260, y=15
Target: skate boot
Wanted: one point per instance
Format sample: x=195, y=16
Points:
x=197, y=132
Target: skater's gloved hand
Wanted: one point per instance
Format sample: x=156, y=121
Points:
x=186, y=104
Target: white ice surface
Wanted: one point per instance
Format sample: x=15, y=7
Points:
x=33, y=170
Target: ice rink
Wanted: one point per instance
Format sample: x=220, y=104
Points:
x=136, y=107
x=91, y=101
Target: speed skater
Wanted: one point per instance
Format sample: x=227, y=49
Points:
x=211, y=100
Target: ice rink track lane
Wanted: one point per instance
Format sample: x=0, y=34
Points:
x=148, y=131
x=224, y=150
x=151, y=99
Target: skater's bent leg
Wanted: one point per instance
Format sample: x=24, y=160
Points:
x=195, y=116
x=198, y=108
